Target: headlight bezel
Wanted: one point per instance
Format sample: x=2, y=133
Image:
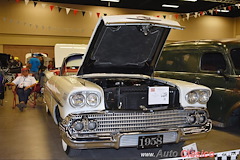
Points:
x=206, y=92
x=85, y=94
x=97, y=99
x=72, y=103
x=200, y=95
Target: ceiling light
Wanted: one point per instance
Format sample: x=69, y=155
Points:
x=225, y=11
x=111, y=0
x=170, y=6
x=190, y=0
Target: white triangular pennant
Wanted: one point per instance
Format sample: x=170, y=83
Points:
x=44, y=5
x=211, y=11
x=238, y=5
x=90, y=13
x=26, y=2
x=68, y=10
x=195, y=14
x=188, y=15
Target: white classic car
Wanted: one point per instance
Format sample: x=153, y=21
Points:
x=114, y=101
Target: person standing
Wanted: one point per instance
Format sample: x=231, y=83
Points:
x=34, y=65
x=24, y=84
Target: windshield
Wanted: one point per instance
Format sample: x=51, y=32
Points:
x=235, y=55
x=71, y=65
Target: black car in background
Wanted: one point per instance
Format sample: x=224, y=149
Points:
x=4, y=60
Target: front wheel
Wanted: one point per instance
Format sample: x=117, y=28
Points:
x=69, y=151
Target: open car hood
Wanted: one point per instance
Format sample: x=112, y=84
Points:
x=127, y=44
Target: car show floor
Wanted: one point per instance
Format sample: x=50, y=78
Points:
x=32, y=135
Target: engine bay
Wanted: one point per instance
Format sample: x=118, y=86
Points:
x=133, y=94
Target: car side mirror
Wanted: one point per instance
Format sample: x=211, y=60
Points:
x=221, y=73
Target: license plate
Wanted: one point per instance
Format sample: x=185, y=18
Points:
x=154, y=141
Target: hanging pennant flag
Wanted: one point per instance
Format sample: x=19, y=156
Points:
x=211, y=11
x=67, y=10
x=176, y=16
x=238, y=5
x=75, y=12
x=105, y=14
x=98, y=15
x=195, y=14
x=216, y=12
x=201, y=13
x=83, y=13
x=164, y=16
x=17, y=1
x=229, y=8
x=26, y=2
x=90, y=13
x=158, y=16
x=44, y=5
x=35, y=4
x=59, y=9
x=188, y=15
x=51, y=7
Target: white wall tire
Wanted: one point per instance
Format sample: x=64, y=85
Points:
x=47, y=110
x=69, y=151
x=64, y=145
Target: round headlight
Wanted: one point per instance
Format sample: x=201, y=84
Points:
x=192, y=119
x=92, y=125
x=93, y=100
x=77, y=100
x=78, y=125
x=203, y=97
x=202, y=119
x=192, y=97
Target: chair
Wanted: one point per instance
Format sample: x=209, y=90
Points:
x=32, y=97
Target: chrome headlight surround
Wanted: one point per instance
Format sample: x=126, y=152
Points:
x=204, y=96
x=200, y=96
x=77, y=100
x=93, y=99
x=192, y=97
x=85, y=98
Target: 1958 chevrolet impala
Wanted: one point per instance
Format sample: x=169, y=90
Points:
x=114, y=101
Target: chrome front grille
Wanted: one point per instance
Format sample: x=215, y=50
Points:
x=109, y=122
x=125, y=122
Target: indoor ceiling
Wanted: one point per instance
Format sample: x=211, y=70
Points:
x=156, y=5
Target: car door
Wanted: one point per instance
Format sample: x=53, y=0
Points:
x=214, y=68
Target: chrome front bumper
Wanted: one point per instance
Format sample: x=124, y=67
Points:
x=119, y=139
